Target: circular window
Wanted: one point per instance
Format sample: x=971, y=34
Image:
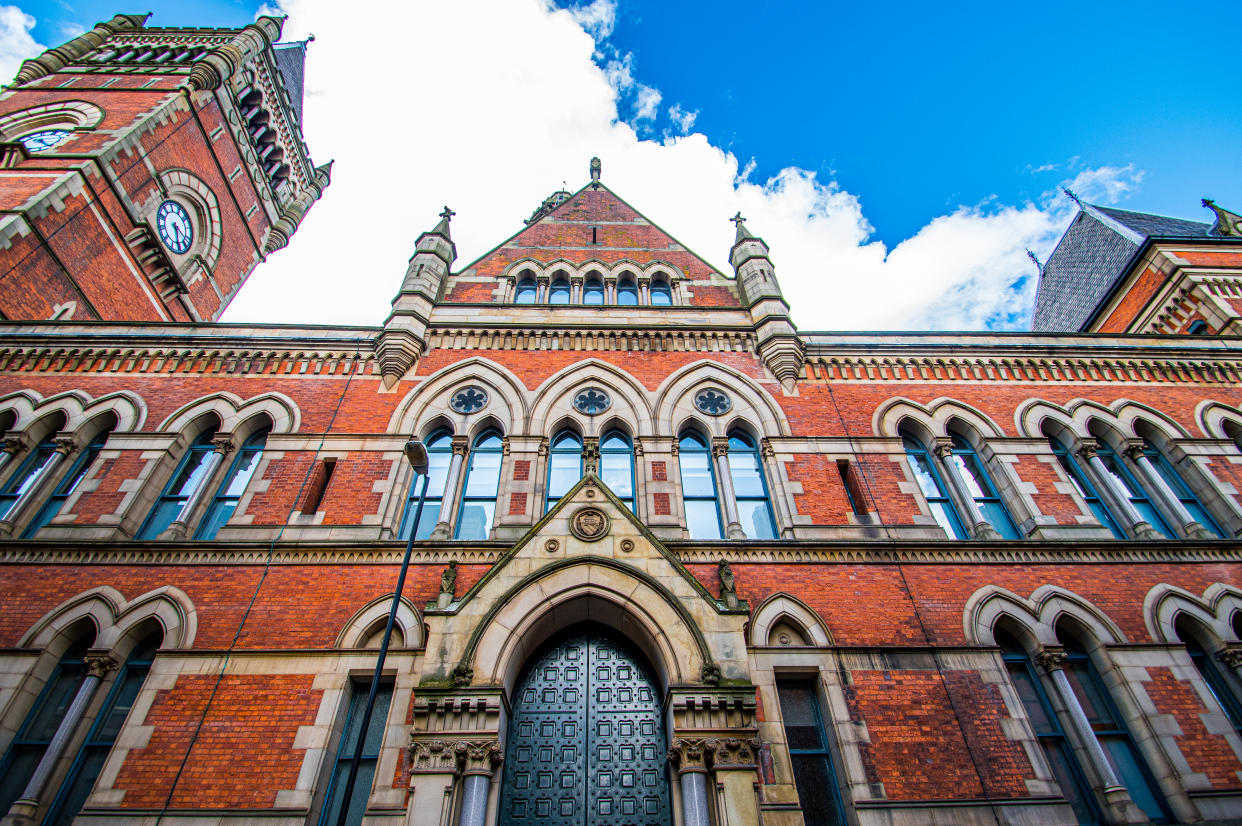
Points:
x=713, y=402
x=175, y=229
x=469, y=399
x=44, y=139
x=592, y=401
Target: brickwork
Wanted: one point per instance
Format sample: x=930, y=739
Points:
x=1206, y=752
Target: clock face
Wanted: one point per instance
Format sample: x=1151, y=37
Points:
x=44, y=139
x=174, y=226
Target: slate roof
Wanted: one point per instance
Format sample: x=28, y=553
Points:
x=1091, y=257
x=291, y=61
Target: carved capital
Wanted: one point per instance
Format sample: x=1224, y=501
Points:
x=543, y=446
x=98, y=665
x=1134, y=449
x=432, y=757
x=943, y=447
x=64, y=445
x=1088, y=449
x=734, y=752
x=766, y=449
x=461, y=445
x=222, y=445
x=1231, y=657
x=720, y=446
x=688, y=755
x=478, y=756
x=1051, y=659
x=11, y=444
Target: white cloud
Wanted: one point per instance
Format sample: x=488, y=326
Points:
x=682, y=119
x=647, y=104
x=1107, y=184
x=16, y=44
x=509, y=101
x=598, y=17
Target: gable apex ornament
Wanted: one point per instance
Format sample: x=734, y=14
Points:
x=596, y=167
x=1227, y=223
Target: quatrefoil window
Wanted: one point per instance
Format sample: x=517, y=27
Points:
x=592, y=401
x=469, y=400
x=712, y=402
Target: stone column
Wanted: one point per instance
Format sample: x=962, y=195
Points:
x=478, y=759
x=575, y=289
x=221, y=447
x=724, y=474
x=25, y=807
x=541, y=288
x=1053, y=662
x=1189, y=525
x=610, y=289
x=1134, y=523
x=444, y=522
x=64, y=446
x=734, y=761
x=644, y=289
x=9, y=448
x=689, y=757
x=979, y=527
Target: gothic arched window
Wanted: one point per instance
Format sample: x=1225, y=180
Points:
x=932, y=485
x=593, y=290
x=616, y=466
x=1048, y=729
x=627, y=291
x=527, y=290
x=478, y=499
x=231, y=488
x=1082, y=482
x=981, y=489
x=558, y=292
x=1180, y=489
x=698, y=487
x=439, y=456
x=103, y=733
x=564, y=466
x=1128, y=486
x=1207, y=667
x=661, y=293
x=67, y=485
x=27, y=474
x=750, y=489
x=190, y=474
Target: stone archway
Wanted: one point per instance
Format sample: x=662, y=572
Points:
x=586, y=737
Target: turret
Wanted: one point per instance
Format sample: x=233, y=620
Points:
x=402, y=342
x=780, y=348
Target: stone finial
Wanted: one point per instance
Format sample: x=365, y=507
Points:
x=743, y=234
x=728, y=586
x=448, y=580
x=596, y=166
x=1227, y=223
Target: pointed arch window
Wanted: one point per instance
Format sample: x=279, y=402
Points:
x=439, y=456
x=661, y=293
x=564, y=466
x=559, y=292
x=103, y=733
x=478, y=501
x=627, y=292
x=933, y=487
x=593, y=290
x=616, y=466
x=527, y=290
x=1082, y=483
x=981, y=489
x=190, y=474
x=234, y=484
x=1207, y=666
x=67, y=485
x=1108, y=728
x=1048, y=730
x=750, y=489
x=36, y=731
x=1128, y=486
x=26, y=475
x=698, y=487
x=1180, y=489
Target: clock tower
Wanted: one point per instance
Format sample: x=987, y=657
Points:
x=148, y=170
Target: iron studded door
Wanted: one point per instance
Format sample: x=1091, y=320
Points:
x=586, y=743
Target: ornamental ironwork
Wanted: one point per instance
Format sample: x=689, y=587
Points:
x=469, y=399
x=592, y=401
x=713, y=402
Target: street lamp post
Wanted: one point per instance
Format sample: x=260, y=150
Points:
x=416, y=455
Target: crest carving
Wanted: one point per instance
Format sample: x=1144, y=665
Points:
x=589, y=524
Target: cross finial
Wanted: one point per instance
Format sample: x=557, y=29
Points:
x=737, y=219
x=447, y=213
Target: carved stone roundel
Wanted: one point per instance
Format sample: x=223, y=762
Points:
x=469, y=399
x=589, y=524
x=713, y=402
x=592, y=401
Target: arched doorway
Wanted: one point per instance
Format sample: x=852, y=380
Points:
x=586, y=742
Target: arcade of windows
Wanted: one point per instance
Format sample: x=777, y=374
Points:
x=624, y=289
x=1131, y=486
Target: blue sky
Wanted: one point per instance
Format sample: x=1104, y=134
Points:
x=906, y=149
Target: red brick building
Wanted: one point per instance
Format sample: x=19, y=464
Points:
x=677, y=562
